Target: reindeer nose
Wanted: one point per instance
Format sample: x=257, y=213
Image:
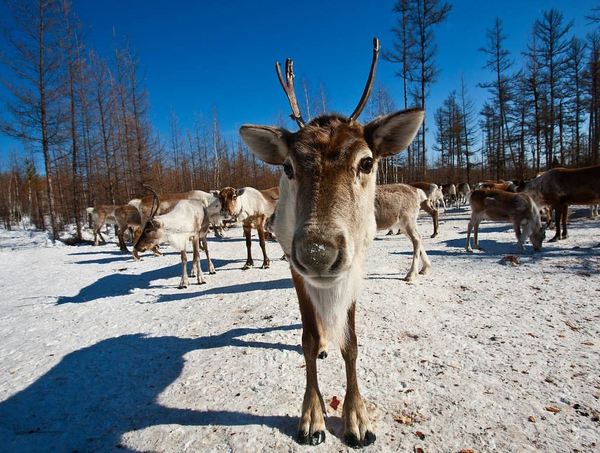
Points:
x=316, y=254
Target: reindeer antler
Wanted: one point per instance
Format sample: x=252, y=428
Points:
x=155, y=198
x=363, y=100
x=288, y=87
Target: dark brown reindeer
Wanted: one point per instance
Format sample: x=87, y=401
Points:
x=560, y=187
x=324, y=221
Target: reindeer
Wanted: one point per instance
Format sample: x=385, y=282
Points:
x=123, y=216
x=500, y=205
x=324, y=221
x=167, y=202
x=463, y=190
x=253, y=207
x=559, y=187
x=187, y=218
x=449, y=192
x=434, y=194
x=397, y=207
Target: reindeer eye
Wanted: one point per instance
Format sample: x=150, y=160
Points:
x=366, y=165
x=288, y=170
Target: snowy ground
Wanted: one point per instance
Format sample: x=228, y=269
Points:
x=100, y=353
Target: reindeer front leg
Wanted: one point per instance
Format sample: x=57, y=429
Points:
x=261, y=239
x=469, y=229
x=248, y=235
x=357, y=426
x=557, y=217
x=311, y=429
x=184, y=275
x=211, y=266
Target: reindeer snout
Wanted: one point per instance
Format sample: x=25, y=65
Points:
x=317, y=255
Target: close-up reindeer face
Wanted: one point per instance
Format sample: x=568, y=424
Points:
x=325, y=212
x=148, y=236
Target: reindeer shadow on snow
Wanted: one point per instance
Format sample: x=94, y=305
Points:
x=119, y=284
x=96, y=394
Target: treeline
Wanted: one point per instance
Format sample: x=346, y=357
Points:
x=88, y=116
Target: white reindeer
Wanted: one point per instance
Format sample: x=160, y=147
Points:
x=188, y=218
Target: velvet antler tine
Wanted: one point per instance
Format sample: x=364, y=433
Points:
x=367, y=91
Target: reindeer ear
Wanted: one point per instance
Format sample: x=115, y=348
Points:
x=390, y=134
x=269, y=144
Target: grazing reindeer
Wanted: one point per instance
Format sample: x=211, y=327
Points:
x=434, y=194
x=500, y=205
x=324, y=221
x=450, y=196
x=253, y=207
x=124, y=216
x=560, y=187
x=463, y=191
x=168, y=202
x=186, y=218
x=397, y=207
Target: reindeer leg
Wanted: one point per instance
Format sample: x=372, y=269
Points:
x=357, y=426
x=261, y=239
x=476, y=234
x=248, y=235
x=184, y=276
x=156, y=251
x=122, y=246
x=564, y=216
x=95, y=237
x=200, y=277
x=557, y=215
x=413, y=235
x=311, y=429
x=211, y=267
x=519, y=234
x=195, y=257
x=469, y=229
x=435, y=216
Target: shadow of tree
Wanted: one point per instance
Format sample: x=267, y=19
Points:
x=96, y=394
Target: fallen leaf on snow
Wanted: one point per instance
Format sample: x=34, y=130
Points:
x=532, y=418
x=572, y=325
x=553, y=409
x=420, y=435
x=510, y=259
x=466, y=450
x=334, y=403
x=404, y=419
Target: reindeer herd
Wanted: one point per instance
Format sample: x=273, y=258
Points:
x=324, y=214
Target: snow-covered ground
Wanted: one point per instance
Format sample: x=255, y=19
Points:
x=100, y=353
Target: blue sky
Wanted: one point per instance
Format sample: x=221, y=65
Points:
x=197, y=56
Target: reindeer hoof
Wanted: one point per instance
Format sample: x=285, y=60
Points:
x=554, y=239
x=203, y=282
x=354, y=442
x=306, y=439
x=212, y=272
x=182, y=286
x=265, y=266
x=247, y=266
x=323, y=355
x=434, y=235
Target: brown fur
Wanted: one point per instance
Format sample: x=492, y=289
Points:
x=561, y=187
x=499, y=205
x=397, y=207
x=262, y=207
x=427, y=205
x=124, y=216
